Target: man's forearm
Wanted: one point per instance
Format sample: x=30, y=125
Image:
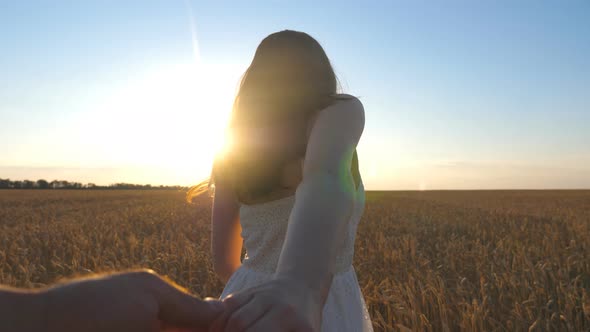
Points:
x=21, y=311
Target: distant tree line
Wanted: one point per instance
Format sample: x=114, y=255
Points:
x=61, y=184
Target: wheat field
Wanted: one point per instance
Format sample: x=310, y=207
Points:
x=426, y=261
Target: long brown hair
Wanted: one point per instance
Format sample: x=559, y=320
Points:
x=288, y=81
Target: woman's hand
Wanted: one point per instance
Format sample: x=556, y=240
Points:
x=279, y=305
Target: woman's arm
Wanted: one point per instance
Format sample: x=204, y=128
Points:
x=324, y=199
x=226, y=241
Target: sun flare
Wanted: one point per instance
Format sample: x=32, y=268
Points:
x=172, y=118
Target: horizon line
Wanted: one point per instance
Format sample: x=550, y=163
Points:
x=106, y=186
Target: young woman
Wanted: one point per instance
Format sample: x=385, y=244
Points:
x=289, y=189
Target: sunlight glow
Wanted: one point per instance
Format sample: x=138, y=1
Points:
x=193, y=28
x=167, y=121
x=172, y=118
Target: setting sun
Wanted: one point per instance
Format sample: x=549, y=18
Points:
x=172, y=118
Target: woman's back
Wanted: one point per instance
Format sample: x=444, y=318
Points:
x=264, y=226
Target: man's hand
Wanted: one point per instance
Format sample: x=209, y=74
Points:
x=131, y=301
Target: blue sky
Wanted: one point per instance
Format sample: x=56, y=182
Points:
x=457, y=94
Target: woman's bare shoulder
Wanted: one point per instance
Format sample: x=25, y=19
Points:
x=345, y=96
x=334, y=136
x=345, y=107
x=347, y=111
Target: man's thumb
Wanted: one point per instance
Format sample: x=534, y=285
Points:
x=190, y=311
x=182, y=309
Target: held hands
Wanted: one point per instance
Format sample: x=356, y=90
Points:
x=282, y=304
x=143, y=301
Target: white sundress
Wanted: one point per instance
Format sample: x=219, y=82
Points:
x=264, y=227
